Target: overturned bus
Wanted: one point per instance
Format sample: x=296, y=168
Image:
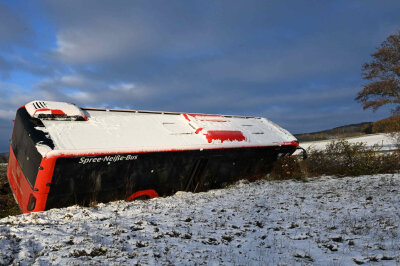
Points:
x=61, y=155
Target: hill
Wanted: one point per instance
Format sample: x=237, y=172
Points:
x=4, y=157
x=386, y=125
x=337, y=132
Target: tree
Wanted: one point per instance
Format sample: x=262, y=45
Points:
x=383, y=74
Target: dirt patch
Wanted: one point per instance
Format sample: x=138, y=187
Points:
x=8, y=206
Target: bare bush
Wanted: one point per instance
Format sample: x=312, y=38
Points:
x=340, y=158
x=288, y=167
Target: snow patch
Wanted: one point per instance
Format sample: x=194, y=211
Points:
x=385, y=141
x=322, y=221
x=43, y=149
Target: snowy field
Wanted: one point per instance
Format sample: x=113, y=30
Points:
x=326, y=221
x=384, y=140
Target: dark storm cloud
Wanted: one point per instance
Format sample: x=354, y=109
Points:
x=242, y=57
x=201, y=43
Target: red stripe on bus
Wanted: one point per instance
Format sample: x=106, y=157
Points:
x=223, y=135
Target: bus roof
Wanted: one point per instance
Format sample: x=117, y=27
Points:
x=118, y=131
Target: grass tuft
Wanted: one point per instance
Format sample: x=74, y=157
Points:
x=7, y=202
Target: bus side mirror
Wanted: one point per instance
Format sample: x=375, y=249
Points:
x=303, y=152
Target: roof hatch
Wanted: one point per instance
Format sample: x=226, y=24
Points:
x=214, y=127
x=50, y=110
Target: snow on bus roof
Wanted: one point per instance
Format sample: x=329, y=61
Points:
x=120, y=131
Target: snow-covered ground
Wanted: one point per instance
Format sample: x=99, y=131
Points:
x=326, y=221
x=385, y=141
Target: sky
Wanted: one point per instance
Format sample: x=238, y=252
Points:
x=296, y=62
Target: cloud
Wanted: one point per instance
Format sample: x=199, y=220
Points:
x=298, y=120
x=111, y=33
x=75, y=81
x=96, y=43
x=309, y=98
x=12, y=97
x=280, y=59
x=22, y=46
x=86, y=92
x=6, y=114
x=5, y=67
x=13, y=29
x=213, y=48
